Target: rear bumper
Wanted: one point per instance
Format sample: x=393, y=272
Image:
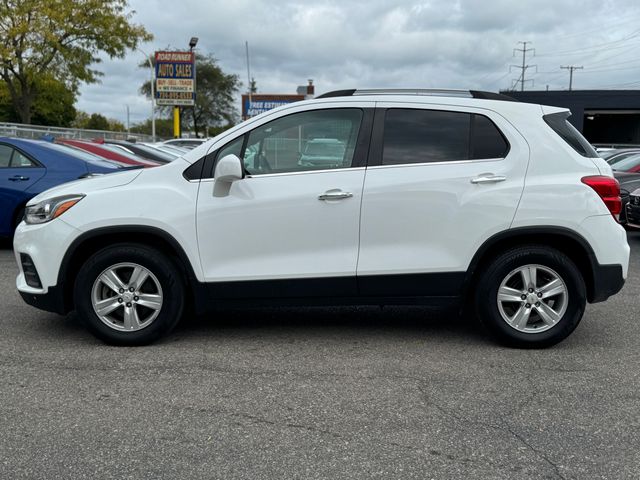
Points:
x=607, y=281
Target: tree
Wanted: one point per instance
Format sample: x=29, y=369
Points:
x=52, y=105
x=60, y=38
x=97, y=122
x=215, y=92
x=164, y=127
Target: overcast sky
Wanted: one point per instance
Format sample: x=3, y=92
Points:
x=384, y=43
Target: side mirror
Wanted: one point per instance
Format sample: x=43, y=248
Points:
x=228, y=169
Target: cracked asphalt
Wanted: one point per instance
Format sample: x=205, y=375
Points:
x=320, y=393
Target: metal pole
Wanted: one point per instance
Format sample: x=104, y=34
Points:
x=153, y=95
x=246, y=44
x=524, y=56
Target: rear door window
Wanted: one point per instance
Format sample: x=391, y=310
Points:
x=5, y=156
x=428, y=136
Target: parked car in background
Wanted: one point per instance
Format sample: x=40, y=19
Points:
x=189, y=143
x=140, y=150
x=629, y=164
x=328, y=152
x=615, y=155
x=633, y=210
x=629, y=182
x=29, y=167
x=172, y=149
x=103, y=151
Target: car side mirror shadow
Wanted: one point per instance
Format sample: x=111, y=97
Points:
x=228, y=170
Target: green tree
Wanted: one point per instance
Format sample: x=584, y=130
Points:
x=61, y=38
x=97, y=122
x=53, y=104
x=81, y=120
x=164, y=127
x=215, y=97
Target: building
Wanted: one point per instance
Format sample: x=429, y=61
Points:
x=258, y=103
x=605, y=117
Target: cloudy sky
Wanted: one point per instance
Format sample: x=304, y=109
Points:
x=384, y=43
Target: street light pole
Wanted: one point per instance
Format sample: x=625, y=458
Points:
x=153, y=95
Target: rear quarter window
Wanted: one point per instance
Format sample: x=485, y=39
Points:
x=559, y=124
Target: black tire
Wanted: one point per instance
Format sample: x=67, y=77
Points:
x=18, y=217
x=489, y=281
x=165, y=271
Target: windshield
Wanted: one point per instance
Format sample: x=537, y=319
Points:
x=613, y=159
x=627, y=164
x=120, y=151
x=326, y=149
x=166, y=156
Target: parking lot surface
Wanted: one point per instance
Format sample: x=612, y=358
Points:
x=319, y=393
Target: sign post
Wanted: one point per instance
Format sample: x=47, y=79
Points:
x=175, y=82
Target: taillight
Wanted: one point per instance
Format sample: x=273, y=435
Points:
x=608, y=189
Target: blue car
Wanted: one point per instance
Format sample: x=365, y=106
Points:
x=29, y=167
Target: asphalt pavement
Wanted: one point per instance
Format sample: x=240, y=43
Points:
x=319, y=393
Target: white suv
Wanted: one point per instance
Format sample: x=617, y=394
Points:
x=436, y=197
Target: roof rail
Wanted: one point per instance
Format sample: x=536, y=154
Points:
x=434, y=92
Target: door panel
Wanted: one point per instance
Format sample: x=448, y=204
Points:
x=14, y=182
x=430, y=217
x=275, y=227
x=290, y=228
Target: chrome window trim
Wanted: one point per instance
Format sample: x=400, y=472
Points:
x=445, y=162
x=309, y=172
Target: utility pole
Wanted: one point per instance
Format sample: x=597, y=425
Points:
x=246, y=46
x=152, y=79
x=523, y=69
x=571, y=68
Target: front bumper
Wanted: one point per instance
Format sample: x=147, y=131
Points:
x=45, y=244
x=52, y=301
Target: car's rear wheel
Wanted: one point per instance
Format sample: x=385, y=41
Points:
x=531, y=296
x=129, y=294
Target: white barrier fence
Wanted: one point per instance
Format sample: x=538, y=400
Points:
x=37, y=131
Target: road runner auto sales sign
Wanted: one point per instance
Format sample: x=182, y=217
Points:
x=175, y=78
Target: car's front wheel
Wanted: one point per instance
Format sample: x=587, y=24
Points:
x=129, y=294
x=531, y=296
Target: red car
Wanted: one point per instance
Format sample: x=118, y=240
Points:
x=121, y=157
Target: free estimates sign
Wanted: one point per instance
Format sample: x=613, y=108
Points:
x=175, y=78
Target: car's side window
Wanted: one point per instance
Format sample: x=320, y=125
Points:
x=19, y=160
x=5, y=156
x=427, y=136
x=314, y=140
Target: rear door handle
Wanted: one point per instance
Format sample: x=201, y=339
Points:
x=18, y=178
x=489, y=178
x=335, y=195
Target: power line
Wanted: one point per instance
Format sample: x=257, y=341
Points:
x=590, y=49
x=523, y=69
x=571, y=68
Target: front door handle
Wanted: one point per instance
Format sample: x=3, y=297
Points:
x=335, y=195
x=18, y=178
x=488, y=178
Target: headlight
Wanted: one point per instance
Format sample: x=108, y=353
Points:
x=47, y=210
